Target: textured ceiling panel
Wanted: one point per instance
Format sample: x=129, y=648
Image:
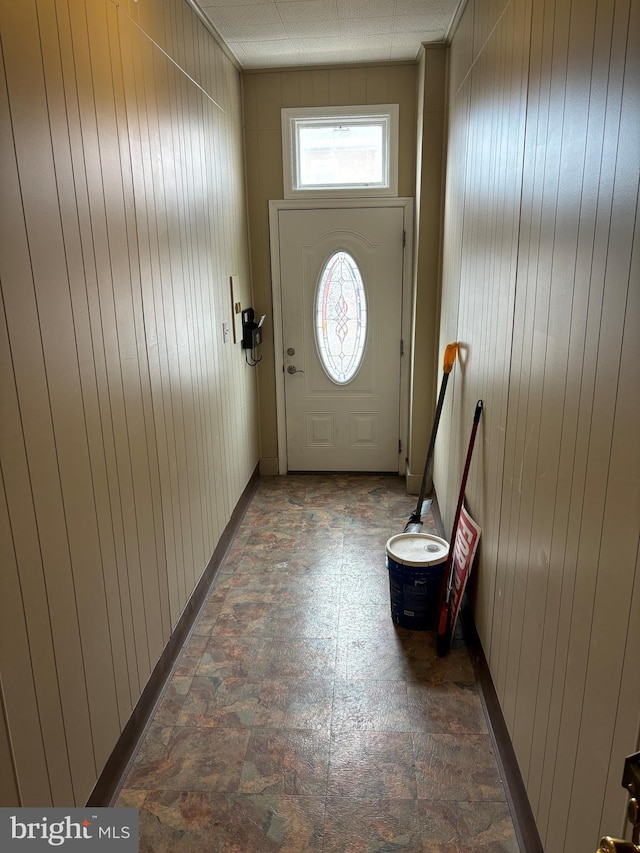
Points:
x=278, y=33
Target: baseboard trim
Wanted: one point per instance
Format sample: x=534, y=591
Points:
x=519, y=805
x=106, y=788
x=521, y=813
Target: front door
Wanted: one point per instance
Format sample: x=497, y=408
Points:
x=341, y=287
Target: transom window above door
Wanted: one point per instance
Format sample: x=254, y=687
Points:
x=340, y=151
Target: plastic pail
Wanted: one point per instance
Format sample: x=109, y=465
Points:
x=416, y=563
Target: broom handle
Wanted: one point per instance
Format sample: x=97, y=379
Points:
x=447, y=366
x=448, y=575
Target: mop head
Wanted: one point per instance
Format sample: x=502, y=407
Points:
x=416, y=519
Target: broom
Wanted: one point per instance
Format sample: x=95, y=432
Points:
x=422, y=507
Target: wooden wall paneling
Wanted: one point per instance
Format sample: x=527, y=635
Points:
x=269, y=101
x=176, y=300
x=338, y=86
x=57, y=95
x=171, y=320
x=357, y=86
x=42, y=394
x=564, y=347
x=118, y=286
x=114, y=339
x=461, y=50
x=600, y=368
x=83, y=286
x=144, y=203
x=239, y=375
x=178, y=287
x=503, y=140
x=533, y=275
x=378, y=84
x=428, y=88
x=67, y=407
x=320, y=86
x=9, y=791
x=477, y=314
x=22, y=661
x=167, y=532
x=214, y=233
x=497, y=341
x=522, y=393
x=289, y=88
x=207, y=293
x=305, y=88
x=516, y=71
x=548, y=355
x=190, y=258
x=561, y=668
x=625, y=451
x=191, y=281
x=115, y=276
x=202, y=276
x=486, y=18
x=137, y=229
x=241, y=378
x=214, y=294
x=617, y=460
x=620, y=564
x=213, y=297
x=455, y=186
x=120, y=207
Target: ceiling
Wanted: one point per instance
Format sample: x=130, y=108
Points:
x=276, y=33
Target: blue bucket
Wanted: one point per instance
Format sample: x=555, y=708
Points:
x=416, y=563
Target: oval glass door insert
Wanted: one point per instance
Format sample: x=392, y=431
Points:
x=341, y=318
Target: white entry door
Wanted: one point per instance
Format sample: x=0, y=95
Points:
x=341, y=287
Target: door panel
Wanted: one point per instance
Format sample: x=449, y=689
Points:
x=332, y=426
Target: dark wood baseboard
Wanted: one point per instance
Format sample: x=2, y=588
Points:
x=521, y=813
x=106, y=788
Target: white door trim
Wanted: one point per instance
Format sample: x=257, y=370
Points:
x=276, y=289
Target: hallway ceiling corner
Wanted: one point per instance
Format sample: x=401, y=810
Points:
x=280, y=33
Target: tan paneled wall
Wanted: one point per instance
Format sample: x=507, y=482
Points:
x=128, y=427
x=541, y=286
x=432, y=69
x=264, y=96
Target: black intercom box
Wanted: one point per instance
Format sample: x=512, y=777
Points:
x=251, y=331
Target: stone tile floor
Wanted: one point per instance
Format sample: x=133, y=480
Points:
x=299, y=718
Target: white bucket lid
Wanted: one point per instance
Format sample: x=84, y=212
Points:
x=417, y=549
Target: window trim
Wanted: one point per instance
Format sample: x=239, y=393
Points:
x=291, y=116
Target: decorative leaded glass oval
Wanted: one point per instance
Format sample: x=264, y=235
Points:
x=341, y=318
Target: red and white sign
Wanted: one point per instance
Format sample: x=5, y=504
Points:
x=464, y=550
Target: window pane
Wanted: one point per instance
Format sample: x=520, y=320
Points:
x=341, y=155
x=341, y=318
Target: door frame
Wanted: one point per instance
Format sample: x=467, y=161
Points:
x=276, y=292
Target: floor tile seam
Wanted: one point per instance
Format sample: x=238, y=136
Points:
x=333, y=726
x=326, y=797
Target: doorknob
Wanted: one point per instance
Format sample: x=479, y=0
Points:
x=293, y=369
x=631, y=782
x=616, y=845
